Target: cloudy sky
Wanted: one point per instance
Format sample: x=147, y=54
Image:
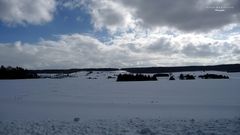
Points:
x=41, y=34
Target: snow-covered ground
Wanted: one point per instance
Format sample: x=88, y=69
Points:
x=133, y=126
x=104, y=106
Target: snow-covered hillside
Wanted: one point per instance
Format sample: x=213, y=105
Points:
x=104, y=106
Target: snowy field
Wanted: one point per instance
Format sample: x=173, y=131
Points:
x=96, y=105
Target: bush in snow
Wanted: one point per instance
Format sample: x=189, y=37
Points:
x=146, y=131
x=76, y=119
x=171, y=78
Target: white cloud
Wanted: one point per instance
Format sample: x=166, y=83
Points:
x=185, y=15
x=15, y=12
x=205, y=50
x=69, y=51
x=81, y=51
x=71, y=4
x=110, y=15
x=140, y=35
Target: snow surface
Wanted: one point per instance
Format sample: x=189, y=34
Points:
x=134, y=126
x=104, y=106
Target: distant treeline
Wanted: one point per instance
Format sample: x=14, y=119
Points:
x=161, y=75
x=137, y=77
x=213, y=76
x=226, y=68
x=16, y=73
x=69, y=71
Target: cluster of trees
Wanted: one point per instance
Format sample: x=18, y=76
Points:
x=206, y=76
x=141, y=77
x=186, y=77
x=226, y=68
x=161, y=75
x=137, y=77
x=16, y=73
x=213, y=76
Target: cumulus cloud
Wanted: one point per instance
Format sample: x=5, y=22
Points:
x=162, y=46
x=15, y=12
x=110, y=15
x=185, y=15
x=191, y=50
x=82, y=51
x=143, y=33
x=205, y=47
x=71, y=4
x=68, y=51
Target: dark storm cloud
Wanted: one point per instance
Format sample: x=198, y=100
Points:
x=186, y=15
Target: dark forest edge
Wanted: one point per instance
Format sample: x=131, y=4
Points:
x=16, y=73
x=8, y=72
x=224, y=68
